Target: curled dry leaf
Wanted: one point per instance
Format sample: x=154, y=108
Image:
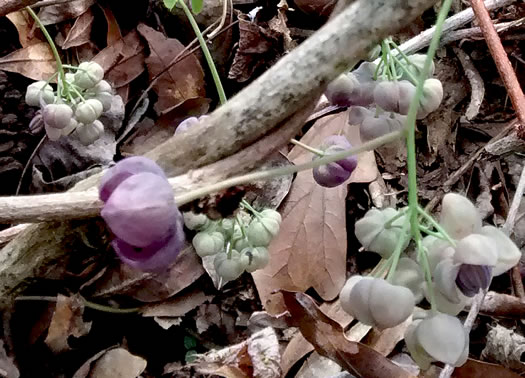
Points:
x=80, y=33
x=148, y=287
x=53, y=14
x=23, y=22
x=67, y=321
x=123, y=61
x=35, y=61
x=310, y=250
x=328, y=338
x=256, y=357
x=182, y=81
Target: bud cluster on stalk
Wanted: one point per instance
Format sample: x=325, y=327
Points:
x=379, y=105
x=140, y=210
x=239, y=244
x=461, y=262
x=75, y=107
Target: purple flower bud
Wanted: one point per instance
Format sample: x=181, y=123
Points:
x=334, y=174
x=157, y=256
x=472, y=278
x=123, y=170
x=188, y=123
x=141, y=210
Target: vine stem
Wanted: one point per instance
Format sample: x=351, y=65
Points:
x=205, y=51
x=307, y=147
x=413, y=204
x=75, y=205
x=60, y=67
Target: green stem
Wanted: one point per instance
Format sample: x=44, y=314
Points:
x=411, y=122
x=205, y=51
x=288, y=170
x=436, y=225
x=427, y=231
x=397, y=251
x=422, y=254
x=401, y=213
x=410, y=75
x=52, y=46
x=308, y=148
x=94, y=306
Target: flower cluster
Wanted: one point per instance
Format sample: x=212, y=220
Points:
x=140, y=210
x=453, y=264
x=238, y=244
x=74, y=107
x=334, y=174
x=379, y=105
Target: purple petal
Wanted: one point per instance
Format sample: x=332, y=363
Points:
x=141, y=209
x=473, y=278
x=123, y=170
x=157, y=256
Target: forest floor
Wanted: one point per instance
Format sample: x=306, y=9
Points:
x=184, y=322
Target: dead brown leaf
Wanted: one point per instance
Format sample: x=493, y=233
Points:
x=177, y=306
x=480, y=369
x=80, y=33
x=54, y=14
x=386, y=340
x=310, y=250
x=114, y=34
x=256, y=357
x=184, y=80
x=24, y=24
x=112, y=363
x=258, y=45
x=148, y=287
x=329, y=340
x=35, y=62
x=67, y=321
x=123, y=61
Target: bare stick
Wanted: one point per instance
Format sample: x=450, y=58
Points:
x=502, y=62
x=452, y=23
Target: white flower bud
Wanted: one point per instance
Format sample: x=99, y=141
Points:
x=208, y=243
x=438, y=337
x=88, y=75
x=375, y=302
x=372, y=233
x=228, y=268
x=37, y=90
x=459, y=217
x=88, y=111
x=89, y=133
x=508, y=253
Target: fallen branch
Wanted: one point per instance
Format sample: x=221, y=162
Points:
x=502, y=62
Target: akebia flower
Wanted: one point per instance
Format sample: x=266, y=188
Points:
x=376, y=235
x=140, y=210
x=156, y=256
x=125, y=169
x=333, y=174
x=375, y=302
x=437, y=337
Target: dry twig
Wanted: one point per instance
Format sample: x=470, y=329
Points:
x=502, y=62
